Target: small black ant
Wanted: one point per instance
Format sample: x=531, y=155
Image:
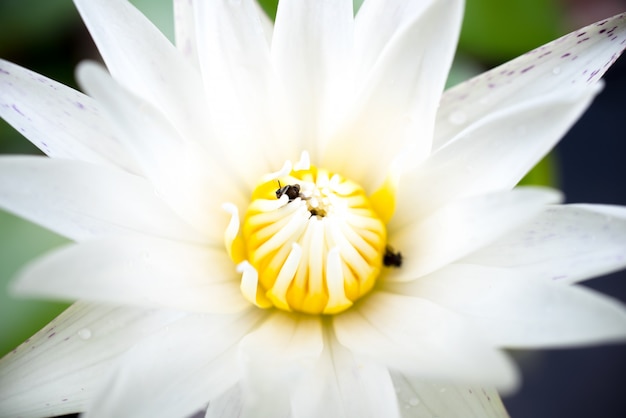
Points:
x=392, y=258
x=291, y=190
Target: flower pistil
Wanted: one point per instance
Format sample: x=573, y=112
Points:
x=310, y=241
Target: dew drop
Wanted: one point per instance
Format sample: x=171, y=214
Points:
x=458, y=117
x=414, y=401
x=84, y=333
x=556, y=70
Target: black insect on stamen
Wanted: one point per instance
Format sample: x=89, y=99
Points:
x=291, y=190
x=392, y=258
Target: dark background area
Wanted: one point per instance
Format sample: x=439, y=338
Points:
x=586, y=382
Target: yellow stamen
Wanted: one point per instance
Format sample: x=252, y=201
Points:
x=311, y=241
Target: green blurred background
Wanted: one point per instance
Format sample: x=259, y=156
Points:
x=48, y=37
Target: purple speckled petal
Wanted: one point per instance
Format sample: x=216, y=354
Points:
x=516, y=311
x=60, y=121
x=82, y=201
x=137, y=271
x=565, y=244
x=492, y=154
x=419, y=398
x=60, y=369
x=573, y=61
x=395, y=106
x=143, y=60
x=185, y=30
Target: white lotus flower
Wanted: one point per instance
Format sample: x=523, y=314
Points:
x=235, y=201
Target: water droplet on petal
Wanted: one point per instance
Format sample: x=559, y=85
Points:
x=84, y=333
x=458, y=117
x=414, y=401
x=556, y=70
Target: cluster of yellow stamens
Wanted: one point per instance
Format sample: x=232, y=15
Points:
x=311, y=242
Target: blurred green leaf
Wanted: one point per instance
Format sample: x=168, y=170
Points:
x=543, y=174
x=497, y=30
x=20, y=242
x=270, y=7
x=160, y=12
x=26, y=21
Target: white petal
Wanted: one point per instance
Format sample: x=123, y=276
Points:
x=266, y=22
x=137, y=271
x=193, y=182
x=228, y=404
x=175, y=372
x=311, y=48
x=423, y=340
x=185, y=30
x=564, y=243
x=462, y=228
x=565, y=64
x=395, y=108
x=143, y=60
x=236, y=67
x=58, y=370
x=516, y=311
x=376, y=23
x=344, y=385
x=420, y=399
x=491, y=155
x=60, y=121
x=82, y=201
x=275, y=358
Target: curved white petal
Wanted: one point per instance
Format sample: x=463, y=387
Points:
x=143, y=60
x=192, y=181
x=491, y=155
x=228, y=404
x=266, y=22
x=310, y=50
x=175, y=372
x=344, y=386
x=82, y=201
x=137, y=271
x=516, y=311
x=376, y=23
x=394, y=111
x=185, y=30
x=567, y=63
x=59, y=369
x=275, y=358
x=564, y=243
x=60, y=121
x=423, y=340
x=238, y=80
x=462, y=228
x=420, y=399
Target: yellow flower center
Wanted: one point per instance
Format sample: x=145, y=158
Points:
x=310, y=241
